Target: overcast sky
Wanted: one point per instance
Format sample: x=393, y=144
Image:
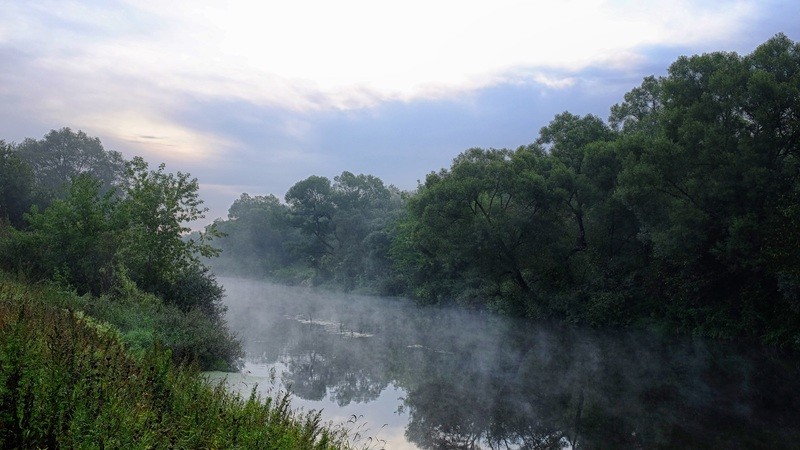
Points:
x=253, y=96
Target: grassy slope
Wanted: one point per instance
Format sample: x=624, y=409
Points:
x=67, y=380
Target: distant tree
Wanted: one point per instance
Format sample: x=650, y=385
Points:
x=360, y=220
x=349, y=221
x=258, y=238
x=312, y=205
x=359, y=192
x=64, y=154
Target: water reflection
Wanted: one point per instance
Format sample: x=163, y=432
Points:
x=469, y=381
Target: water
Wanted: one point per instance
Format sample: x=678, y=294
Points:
x=403, y=377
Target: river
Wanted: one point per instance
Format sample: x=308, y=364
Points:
x=403, y=377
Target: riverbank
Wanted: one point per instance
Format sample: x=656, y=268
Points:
x=68, y=380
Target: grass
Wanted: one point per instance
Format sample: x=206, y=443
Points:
x=70, y=381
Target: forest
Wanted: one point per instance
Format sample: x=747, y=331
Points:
x=680, y=212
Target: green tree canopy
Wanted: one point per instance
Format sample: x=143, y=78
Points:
x=64, y=154
x=485, y=228
x=156, y=210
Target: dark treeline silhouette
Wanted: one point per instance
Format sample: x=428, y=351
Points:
x=681, y=211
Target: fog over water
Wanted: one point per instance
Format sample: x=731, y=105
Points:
x=437, y=378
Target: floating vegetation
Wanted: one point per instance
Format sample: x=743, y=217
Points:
x=331, y=327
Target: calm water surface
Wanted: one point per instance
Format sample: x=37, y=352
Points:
x=410, y=377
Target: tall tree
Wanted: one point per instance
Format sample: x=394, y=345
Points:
x=361, y=211
x=64, y=154
x=75, y=239
x=258, y=238
x=641, y=108
x=312, y=204
x=157, y=208
x=716, y=187
x=16, y=186
x=485, y=229
x=568, y=138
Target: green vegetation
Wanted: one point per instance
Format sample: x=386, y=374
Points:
x=335, y=234
x=109, y=314
x=84, y=217
x=69, y=381
x=682, y=212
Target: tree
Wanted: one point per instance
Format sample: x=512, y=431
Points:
x=641, y=109
x=156, y=209
x=568, y=138
x=360, y=225
x=716, y=187
x=484, y=231
x=74, y=240
x=311, y=202
x=258, y=238
x=16, y=186
x=64, y=154
x=349, y=221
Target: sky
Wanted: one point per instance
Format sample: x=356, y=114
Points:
x=254, y=96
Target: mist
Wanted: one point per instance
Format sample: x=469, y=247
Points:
x=402, y=376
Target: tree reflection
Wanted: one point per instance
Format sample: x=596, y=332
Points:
x=589, y=394
x=445, y=418
x=321, y=363
x=488, y=383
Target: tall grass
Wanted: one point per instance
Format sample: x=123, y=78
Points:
x=69, y=381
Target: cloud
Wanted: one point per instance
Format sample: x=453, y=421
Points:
x=553, y=82
x=307, y=55
x=152, y=134
x=130, y=68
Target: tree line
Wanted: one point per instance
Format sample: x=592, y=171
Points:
x=682, y=210
x=336, y=233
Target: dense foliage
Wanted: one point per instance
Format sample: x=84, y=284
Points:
x=335, y=233
x=83, y=216
x=683, y=210
x=67, y=381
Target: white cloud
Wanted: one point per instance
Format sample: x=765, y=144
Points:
x=127, y=67
x=553, y=82
x=352, y=53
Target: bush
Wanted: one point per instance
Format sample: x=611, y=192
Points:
x=193, y=336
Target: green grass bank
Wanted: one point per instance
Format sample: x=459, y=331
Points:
x=68, y=380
